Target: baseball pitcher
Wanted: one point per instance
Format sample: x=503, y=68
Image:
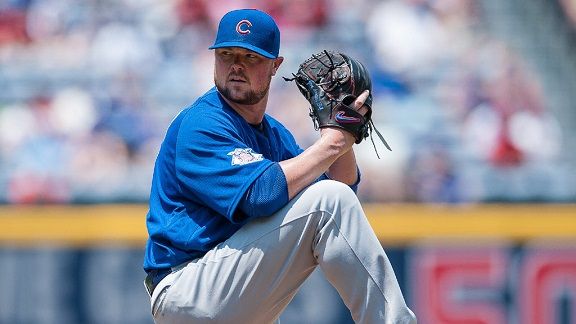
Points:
x=240, y=215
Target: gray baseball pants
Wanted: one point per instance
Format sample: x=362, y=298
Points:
x=252, y=276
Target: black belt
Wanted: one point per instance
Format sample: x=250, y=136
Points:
x=153, y=279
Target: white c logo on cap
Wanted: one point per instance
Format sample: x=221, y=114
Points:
x=243, y=27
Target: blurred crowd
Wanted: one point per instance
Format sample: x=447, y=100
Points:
x=569, y=8
x=87, y=89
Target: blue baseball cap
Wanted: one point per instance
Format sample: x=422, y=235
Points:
x=250, y=29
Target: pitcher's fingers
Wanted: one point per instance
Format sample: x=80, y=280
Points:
x=359, y=102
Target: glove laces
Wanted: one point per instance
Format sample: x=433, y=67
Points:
x=372, y=127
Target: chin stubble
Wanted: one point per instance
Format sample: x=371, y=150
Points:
x=248, y=98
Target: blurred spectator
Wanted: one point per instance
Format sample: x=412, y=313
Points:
x=36, y=160
x=191, y=12
x=432, y=176
x=569, y=7
x=121, y=114
x=13, y=24
x=298, y=13
x=388, y=25
x=511, y=110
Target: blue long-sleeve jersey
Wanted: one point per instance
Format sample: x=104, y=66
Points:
x=209, y=158
x=208, y=169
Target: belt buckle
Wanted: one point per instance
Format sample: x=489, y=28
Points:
x=149, y=284
x=153, y=279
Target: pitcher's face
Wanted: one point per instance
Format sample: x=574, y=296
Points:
x=243, y=76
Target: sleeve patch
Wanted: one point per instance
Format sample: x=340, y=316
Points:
x=241, y=156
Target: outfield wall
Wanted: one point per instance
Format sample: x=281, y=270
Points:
x=456, y=264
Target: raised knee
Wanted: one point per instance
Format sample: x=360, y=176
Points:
x=332, y=192
x=332, y=187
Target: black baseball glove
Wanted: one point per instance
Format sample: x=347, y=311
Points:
x=331, y=82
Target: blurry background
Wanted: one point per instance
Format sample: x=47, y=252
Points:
x=476, y=98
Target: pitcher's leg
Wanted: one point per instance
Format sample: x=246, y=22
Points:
x=354, y=261
x=252, y=276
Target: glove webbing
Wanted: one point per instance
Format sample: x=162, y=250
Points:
x=332, y=82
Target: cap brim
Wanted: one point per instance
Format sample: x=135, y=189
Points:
x=244, y=45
